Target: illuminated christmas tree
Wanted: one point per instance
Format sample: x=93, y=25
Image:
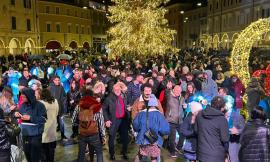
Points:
x=139, y=28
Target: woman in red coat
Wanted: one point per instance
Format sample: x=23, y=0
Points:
x=239, y=91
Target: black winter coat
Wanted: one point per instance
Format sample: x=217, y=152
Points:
x=213, y=135
x=255, y=93
x=187, y=129
x=109, y=107
x=255, y=142
x=59, y=94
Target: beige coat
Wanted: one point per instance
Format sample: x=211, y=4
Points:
x=50, y=134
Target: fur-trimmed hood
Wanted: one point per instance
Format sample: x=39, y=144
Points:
x=88, y=102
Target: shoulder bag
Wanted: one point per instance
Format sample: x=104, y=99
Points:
x=150, y=135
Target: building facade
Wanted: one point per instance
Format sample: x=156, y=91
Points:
x=100, y=26
x=18, y=27
x=40, y=26
x=227, y=18
x=175, y=21
x=63, y=26
x=218, y=24
x=194, y=27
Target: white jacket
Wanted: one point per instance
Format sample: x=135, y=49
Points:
x=50, y=134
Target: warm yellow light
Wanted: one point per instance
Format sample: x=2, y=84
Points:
x=139, y=28
x=243, y=46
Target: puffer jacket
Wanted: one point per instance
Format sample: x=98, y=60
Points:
x=255, y=142
x=157, y=123
x=37, y=112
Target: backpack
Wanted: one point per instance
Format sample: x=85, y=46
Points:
x=87, y=124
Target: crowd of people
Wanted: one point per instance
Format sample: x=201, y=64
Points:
x=187, y=103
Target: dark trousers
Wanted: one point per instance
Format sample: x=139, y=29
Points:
x=32, y=148
x=75, y=130
x=172, y=137
x=60, y=122
x=48, y=150
x=94, y=145
x=120, y=125
x=5, y=156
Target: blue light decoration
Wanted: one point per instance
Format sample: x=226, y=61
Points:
x=50, y=72
x=197, y=97
x=229, y=102
x=65, y=75
x=36, y=71
x=13, y=83
x=32, y=82
x=265, y=104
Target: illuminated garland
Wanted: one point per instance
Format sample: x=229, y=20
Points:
x=243, y=46
x=139, y=28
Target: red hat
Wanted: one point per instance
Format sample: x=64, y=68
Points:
x=88, y=102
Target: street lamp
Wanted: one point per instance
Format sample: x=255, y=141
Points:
x=182, y=12
x=199, y=4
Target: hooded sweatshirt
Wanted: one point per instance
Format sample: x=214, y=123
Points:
x=209, y=87
x=213, y=135
x=37, y=112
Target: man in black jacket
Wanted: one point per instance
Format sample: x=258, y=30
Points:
x=116, y=118
x=213, y=132
x=59, y=94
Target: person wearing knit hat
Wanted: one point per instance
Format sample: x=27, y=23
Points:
x=195, y=107
x=35, y=84
x=187, y=129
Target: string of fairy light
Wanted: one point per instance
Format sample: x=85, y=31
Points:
x=243, y=45
x=139, y=29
